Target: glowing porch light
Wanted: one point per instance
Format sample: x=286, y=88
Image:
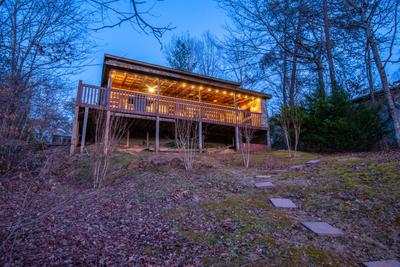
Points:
x=224, y=92
x=245, y=96
x=217, y=90
x=252, y=97
x=209, y=89
x=152, y=90
x=215, y=100
x=231, y=94
x=239, y=95
x=193, y=86
x=183, y=84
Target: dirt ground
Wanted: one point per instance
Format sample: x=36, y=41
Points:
x=154, y=213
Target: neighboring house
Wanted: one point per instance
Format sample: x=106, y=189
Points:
x=380, y=98
x=156, y=96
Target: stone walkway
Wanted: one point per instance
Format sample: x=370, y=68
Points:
x=385, y=263
x=322, y=228
x=319, y=228
x=282, y=203
x=264, y=184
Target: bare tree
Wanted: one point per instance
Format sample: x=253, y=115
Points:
x=246, y=135
x=370, y=77
x=187, y=140
x=114, y=13
x=328, y=44
x=369, y=17
x=107, y=137
x=41, y=42
x=209, y=56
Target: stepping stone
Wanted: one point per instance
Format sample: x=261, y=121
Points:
x=297, y=167
x=264, y=184
x=313, y=161
x=263, y=176
x=322, y=228
x=384, y=263
x=282, y=203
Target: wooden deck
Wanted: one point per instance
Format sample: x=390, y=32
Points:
x=129, y=102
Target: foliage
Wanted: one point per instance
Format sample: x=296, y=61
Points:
x=181, y=53
x=201, y=55
x=336, y=123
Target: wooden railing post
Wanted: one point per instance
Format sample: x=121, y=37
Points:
x=79, y=93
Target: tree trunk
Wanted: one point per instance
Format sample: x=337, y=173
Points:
x=384, y=81
x=284, y=79
x=320, y=71
x=328, y=45
x=294, y=64
x=369, y=74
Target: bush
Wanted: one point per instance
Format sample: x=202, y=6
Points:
x=337, y=124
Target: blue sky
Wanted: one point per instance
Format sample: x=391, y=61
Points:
x=193, y=16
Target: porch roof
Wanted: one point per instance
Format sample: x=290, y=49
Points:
x=130, y=65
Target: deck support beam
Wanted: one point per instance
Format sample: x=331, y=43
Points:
x=268, y=140
x=85, y=122
x=157, y=133
x=237, y=138
x=200, y=136
x=75, y=132
x=127, y=138
x=147, y=139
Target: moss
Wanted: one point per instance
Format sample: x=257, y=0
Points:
x=149, y=251
x=199, y=237
x=324, y=258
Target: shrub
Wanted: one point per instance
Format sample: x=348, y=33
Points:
x=336, y=123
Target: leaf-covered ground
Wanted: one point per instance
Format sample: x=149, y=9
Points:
x=160, y=215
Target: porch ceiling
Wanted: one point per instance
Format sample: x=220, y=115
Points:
x=183, y=90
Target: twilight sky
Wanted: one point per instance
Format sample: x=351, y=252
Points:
x=193, y=16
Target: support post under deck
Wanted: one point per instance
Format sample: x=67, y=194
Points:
x=237, y=138
x=157, y=133
x=85, y=121
x=268, y=140
x=200, y=136
x=75, y=132
x=127, y=138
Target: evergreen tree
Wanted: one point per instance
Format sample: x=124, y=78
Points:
x=337, y=124
x=181, y=53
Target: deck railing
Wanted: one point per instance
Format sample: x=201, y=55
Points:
x=147, y=104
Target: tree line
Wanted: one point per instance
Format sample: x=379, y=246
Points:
x=44, y=42
x=298, y=48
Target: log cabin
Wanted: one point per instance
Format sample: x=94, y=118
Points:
x=154, y=97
